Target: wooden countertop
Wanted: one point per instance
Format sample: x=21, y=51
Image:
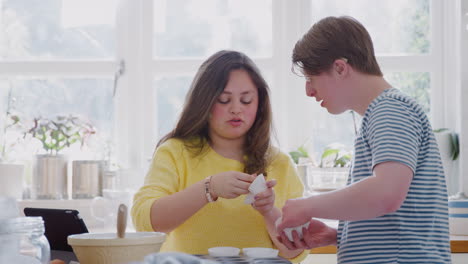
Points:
x=458, y=244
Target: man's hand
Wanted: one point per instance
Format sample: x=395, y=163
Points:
x=294, y=213
x=317, y=235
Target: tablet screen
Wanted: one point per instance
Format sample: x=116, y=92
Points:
x=59, y=224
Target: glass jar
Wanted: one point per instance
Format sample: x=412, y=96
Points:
x=22, y=241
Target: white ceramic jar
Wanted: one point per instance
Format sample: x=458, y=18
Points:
x=458, y=217
x=23, y=241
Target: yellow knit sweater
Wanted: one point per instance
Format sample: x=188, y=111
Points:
x=226, y=222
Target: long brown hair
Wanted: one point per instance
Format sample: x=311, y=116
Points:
x=335, y=38
x=206, y=87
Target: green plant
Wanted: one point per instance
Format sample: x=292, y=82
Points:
x=61, y=132
x=12, y=123
x=301, y=152
x=11, y=120
x=334, y=155
x=454, y=142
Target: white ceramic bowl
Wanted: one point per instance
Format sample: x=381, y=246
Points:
x=223, y=251
x=458, y=217
x=107, y=248
x=259, y=252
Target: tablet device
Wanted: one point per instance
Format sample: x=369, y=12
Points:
x=59, y=224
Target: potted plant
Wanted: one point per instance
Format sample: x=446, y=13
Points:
x=329, y=173
x=301, y=158
x=11, y=172
x=449, y=148
x=50, y=169
x=296, y=155
x=333, y=169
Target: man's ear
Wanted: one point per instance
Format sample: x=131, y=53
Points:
x=341, y=67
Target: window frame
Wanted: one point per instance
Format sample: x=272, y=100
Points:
x=135, y=112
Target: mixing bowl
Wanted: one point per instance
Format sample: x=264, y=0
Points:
x=107, y=248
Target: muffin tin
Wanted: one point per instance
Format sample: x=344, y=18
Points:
x=245, y=260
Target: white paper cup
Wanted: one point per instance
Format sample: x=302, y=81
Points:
x=288, y=231
x=258, y=185
x=223, y=251
x=260, y=252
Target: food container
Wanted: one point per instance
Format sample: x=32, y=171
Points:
x=458, y=217
x=87, y=178
x=23, y=241
x=107, y=248
x=50, y=177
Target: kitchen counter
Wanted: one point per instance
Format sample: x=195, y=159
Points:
x=457, y=258
x=459, y=244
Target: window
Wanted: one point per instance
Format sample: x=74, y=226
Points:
x=187, y=28
x=57, y=60
x=57, y=29
x=62, y=57
x=407, y=37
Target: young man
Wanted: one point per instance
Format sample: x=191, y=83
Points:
x=394, y=209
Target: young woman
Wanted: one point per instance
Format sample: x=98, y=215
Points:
x=194, y=189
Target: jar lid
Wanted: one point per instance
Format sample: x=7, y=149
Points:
x=30, y=224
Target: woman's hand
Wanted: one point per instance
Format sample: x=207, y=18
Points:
x=265, y=201
x=230, y=184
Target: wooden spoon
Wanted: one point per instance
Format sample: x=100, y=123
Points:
x=121, y=220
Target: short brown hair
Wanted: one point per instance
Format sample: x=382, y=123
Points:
x=334, y=38
x=208, y=84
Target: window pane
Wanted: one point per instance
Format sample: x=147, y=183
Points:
x=414, y=84
x=198, y=28
x=52, y=29
x=170, y=96
x=88, y=99
x=328, y=129
x=331, y=129
x=405, y=28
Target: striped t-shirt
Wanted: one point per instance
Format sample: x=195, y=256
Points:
x=395, y=128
